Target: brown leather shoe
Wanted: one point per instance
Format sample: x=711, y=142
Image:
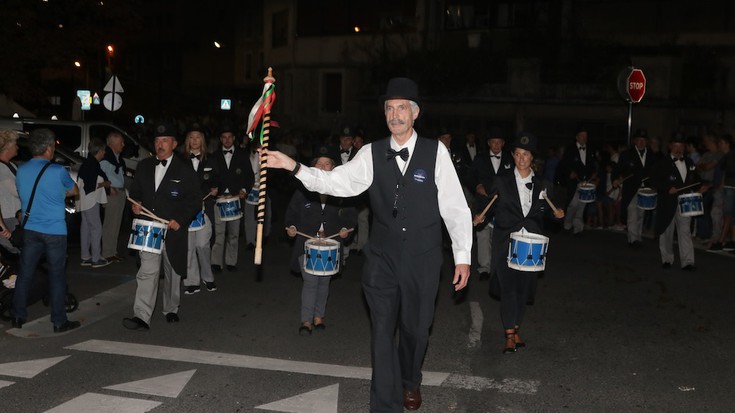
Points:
x=412, y=399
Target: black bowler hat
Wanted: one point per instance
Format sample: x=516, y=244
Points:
x=496, y=133
x=347, y=131
x=164, y=129
x=227, y=128
x=641, y=133
x=196, y=127
x=401, y=88
x=525, y=140
x=325, y=151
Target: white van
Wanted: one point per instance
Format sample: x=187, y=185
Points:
x=75, y=135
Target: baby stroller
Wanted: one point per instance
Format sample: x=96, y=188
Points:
x=39, y=290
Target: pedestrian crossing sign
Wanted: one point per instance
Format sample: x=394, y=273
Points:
x=225, y=104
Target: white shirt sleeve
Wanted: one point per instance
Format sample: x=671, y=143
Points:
x=350, y=179
x=453, y=207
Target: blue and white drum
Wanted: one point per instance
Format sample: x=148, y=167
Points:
x=321, y=257
x=198, y=222
x=252, y=198
x=229, y=208
x=527, y=251
x=690, y=205
x=147, y=236
x=647, y=199
x=587, y=192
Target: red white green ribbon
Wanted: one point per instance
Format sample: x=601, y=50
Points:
x=262, y=106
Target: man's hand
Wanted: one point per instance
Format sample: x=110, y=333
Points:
x=242, y=194
x=136, y=208
x=291, y=231
x=278, y=160
x=461, y=276
x=480, y=190
x=344, y=233
x=174, y=225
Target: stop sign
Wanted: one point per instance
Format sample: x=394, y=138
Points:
x=636, y=85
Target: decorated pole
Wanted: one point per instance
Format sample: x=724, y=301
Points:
x=262, y=108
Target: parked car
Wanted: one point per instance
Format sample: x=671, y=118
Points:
x=75, y=136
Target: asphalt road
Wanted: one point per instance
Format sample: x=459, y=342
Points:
x=610, y=331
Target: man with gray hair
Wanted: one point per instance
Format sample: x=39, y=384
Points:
x=45, y=229
x=9, y=200
x=92, y=183
x=113, y=165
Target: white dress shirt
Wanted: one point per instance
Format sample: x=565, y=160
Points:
x=582, y=153
x=524, y=194
x=356, y=176
x=161, y=170
x=495, y=161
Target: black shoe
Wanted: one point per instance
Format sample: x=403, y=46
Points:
x=715, y=247
x=18, y=322
x=216, y=268
x=357, y=252
x=172, y=318
x=231, y=268
x=634, y=245
x=666, y=265
x=211, y=286
x=689, y=267
x=68, y=325
x=304, y=331
x=192, y=289
x=484, y=276
x=320, y=327
x=135, y=323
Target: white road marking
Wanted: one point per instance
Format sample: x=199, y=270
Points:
x=28, y=368
x=90, y=310
x=475, y=335
x=271, y=364
x=102, y=403
x=4, y=383
x=322, y=400
x=169, y=385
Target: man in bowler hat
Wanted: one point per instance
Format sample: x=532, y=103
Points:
x=413, y=188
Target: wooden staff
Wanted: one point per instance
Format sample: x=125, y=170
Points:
x=688, y=186
x=337, y=234
x=263, y=172
x=551, y=204
x=147, y=213
x=484, y=211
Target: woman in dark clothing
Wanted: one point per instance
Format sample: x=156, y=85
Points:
x=520, y=204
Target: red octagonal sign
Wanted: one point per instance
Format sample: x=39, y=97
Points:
x=636, y=85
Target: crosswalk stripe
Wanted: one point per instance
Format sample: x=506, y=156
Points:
x=103, y=403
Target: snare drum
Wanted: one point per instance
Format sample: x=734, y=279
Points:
x=527, y=251
x=587, y=192
x=147, y=236
x=198, y=222
x=690, y=205
x=647, y=199
x=252, y=198
x=229, y=209
x=321, y=257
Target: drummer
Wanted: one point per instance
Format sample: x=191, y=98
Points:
x=169, y=188
x=516, y=288
x=673, y=176
x=577, y=165
x=635, y=168
x=319, y=216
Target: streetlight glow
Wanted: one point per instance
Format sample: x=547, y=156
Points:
x=217, y=45
x=110, y=49
x=77, y=63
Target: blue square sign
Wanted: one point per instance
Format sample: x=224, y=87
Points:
x=225, y=104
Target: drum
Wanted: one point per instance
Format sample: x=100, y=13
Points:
x=527, y=251
x=229, y=209
x=690, y=205
x=586, y=192
x=252, y=198
x=321, y=257
x=198, y=222
x=147, y=236
x=647, y=199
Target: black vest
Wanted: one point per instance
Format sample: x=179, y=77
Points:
x=416, y=228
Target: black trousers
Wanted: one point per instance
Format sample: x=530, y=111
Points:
x=401, y=292
x=516, y=289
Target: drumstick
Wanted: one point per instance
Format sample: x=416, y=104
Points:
x=206, y=196
x=551, y=204
x=484, y=211
x=303, y=235
x=146, y=212
x=688, y=186
x=337, y=234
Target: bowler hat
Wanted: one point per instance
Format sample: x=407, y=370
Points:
x=325, y=151
x=164, y=129
x=401, y=88
x=496, y=133
x=347, y=131
x=641, y=133
x=525, y=140
x=227, y=128
x=195, y=127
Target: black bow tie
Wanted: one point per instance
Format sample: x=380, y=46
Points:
x=347, y=151
x=192, y=156
x=582, y=148
x=529, y=185
x=678, y=159
x=403, y=153
x=161, y=162
x=471, y=145
x=641, y=151
x=495, y=156
x=226, y=151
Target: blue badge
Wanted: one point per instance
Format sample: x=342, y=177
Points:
x=419, y=176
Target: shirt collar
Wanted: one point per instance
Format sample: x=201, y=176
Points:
x=410, y=144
